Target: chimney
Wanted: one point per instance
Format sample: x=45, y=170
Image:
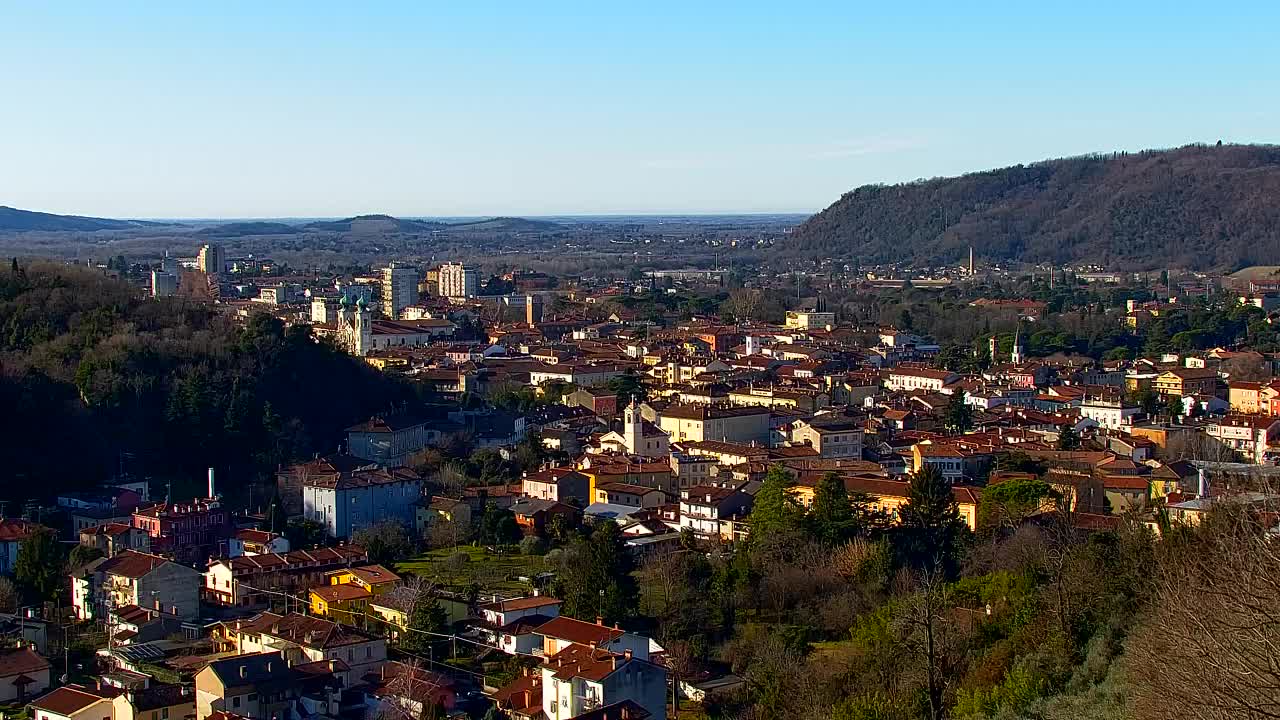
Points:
x=158, y=608
x=626, y=654
x=599, y=620
x=333, y=666
x=213, y=491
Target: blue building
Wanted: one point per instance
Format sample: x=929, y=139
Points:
x=345, y=503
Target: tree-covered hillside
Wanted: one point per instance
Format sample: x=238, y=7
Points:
x=1194, y=207
x=90, y=369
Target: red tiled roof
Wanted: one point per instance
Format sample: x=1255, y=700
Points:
x=67, y=700
x=582, y=661
x=21, y=660
x=131, y=564
x=577, y=631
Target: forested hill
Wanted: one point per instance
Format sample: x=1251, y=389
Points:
x=1196, y=207
x=92, y=373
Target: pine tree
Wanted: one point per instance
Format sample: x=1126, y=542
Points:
x=597, y=580
x=959, y=413
x=425, y=616
x=38, y=568
x=831, y=516
x=775, y=510
x=931, y=528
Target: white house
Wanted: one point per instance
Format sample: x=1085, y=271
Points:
x=1113, y=414
x=23, y=673
x=920, y=379
x=703, y=507
x=581, y=678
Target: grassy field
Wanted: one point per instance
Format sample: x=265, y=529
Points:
x=492, y=572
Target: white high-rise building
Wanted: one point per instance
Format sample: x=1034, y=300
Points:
x=399, y=288
x=458, y=281
x=212, y=260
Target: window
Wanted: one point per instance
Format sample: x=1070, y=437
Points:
x=165, y=713
x=235, y=702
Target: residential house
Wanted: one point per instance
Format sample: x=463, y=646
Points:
x=190, y=532
x=691, y=470
x=920, y=379
x=1110, y=413
x=616, y=493
x=704, y=507
x=138, y=579
x=250, y=581
x=260, y=686
x=1181, y=382
x=23, y=674
x=1248, y=435
x=584, y=680
x=290, y=480
x=114, y=538
x=599, y=400
x=1245, y=398
x=513, y=625
x=405, y=690
x=832, y=437
x=562, y=632
x=390, y=440
x=535, y=516
x=349, y=502
x=696, y=423
x=155, y=702
x=346, y=597
x=306, y=640
x=256, y=542
x=73, y=702
x=558, y=484
x=888, y=495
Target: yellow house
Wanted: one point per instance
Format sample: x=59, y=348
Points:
x=888, y=495
x=346, y=598
x=1186, y=381
x=383, y=363
x=374, y=578
x=345, y=604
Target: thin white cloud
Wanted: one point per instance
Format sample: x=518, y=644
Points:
x=871, y=146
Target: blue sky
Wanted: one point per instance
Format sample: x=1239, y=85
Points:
x=277, y=109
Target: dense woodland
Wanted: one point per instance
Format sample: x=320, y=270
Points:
x=829, y=613
x=97, y=378
x=1193, y=207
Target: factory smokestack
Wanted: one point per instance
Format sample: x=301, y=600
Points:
x=213, y=493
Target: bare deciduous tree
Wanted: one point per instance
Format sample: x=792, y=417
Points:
x=1209, y=649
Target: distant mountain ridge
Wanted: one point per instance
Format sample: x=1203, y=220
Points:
x=15, y=220
x=1198, y=207
x=374, y=224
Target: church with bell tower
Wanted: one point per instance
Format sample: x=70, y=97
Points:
x=355, y=327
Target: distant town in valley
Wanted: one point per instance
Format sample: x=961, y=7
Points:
x=886, y=462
